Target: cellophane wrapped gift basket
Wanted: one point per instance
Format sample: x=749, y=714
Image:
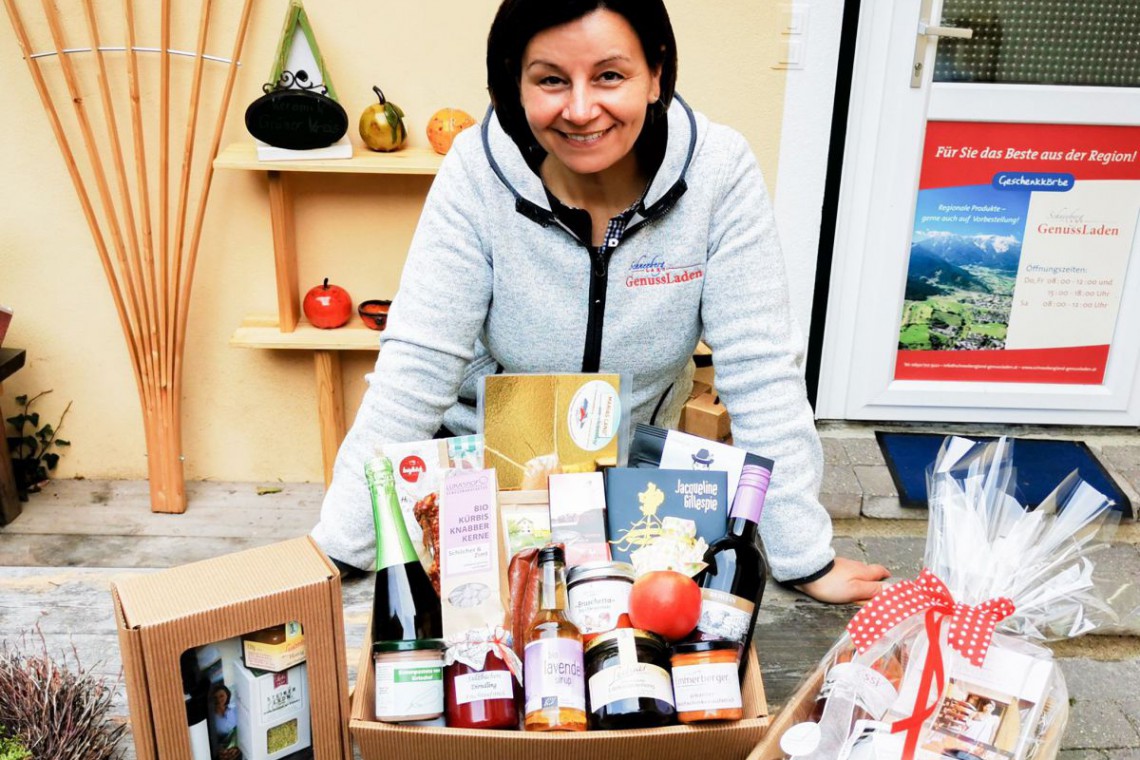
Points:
x=951, y=664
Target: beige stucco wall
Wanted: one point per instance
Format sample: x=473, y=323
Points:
x=250, y=415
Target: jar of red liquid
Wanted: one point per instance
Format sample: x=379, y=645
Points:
x=484, y=698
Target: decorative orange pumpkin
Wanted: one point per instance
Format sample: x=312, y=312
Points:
x=444, y=125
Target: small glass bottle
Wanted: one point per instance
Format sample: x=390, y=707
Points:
x=851, y=692
x=553, y=669
x=878, y=684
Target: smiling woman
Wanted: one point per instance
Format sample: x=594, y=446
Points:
x=595, y=223
x=585, y=89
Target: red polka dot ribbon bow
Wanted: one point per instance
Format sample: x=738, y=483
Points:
x=971, y=629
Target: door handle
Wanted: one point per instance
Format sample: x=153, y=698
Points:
x=926, y=33
x=945, y=31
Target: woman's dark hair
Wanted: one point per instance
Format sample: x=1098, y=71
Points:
x=224, y=689
x=518, y=21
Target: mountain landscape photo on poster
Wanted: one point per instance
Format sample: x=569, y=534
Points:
x=963, y=267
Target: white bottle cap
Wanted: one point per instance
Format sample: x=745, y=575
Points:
x=801, y=739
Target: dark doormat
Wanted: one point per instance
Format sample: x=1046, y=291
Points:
x=1040, y=466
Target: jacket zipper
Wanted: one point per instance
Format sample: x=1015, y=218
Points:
x=599, y=282
x=595, y=321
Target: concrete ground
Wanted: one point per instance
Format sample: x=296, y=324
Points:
x=58, y=558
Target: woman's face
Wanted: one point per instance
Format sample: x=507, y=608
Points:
x=585, y=87
x=221, y=700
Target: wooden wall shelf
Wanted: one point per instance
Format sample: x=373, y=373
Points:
x=263, y=331
x=288, y=330
x=416, y=161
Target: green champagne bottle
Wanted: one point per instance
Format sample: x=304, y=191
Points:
x=405, y=605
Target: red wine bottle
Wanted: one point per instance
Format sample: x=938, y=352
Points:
x=195, y=687
x=732, y=584
x=405, y=605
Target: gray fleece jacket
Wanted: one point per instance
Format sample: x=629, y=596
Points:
x=493, y=279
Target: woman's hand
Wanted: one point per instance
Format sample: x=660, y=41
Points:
x=848, y=581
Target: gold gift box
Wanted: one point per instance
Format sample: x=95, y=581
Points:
x=534, y=425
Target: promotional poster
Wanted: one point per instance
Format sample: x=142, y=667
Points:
x=1022, y=239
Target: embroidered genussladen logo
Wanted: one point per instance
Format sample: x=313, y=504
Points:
x=652, y=270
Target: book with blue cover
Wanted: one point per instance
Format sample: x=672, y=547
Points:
x=638, y=499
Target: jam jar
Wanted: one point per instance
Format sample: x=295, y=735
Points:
x=705, y=681
x=597, y=595
x=627, y=680
x=486, y=698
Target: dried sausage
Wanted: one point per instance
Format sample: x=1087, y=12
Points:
x=523, y=576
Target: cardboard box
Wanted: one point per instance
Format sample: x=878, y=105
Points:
x=722, y=741
x=800, y=706
x=162, y=614
x=704, y=415
x=272, y=710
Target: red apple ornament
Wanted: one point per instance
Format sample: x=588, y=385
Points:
x=327, y=306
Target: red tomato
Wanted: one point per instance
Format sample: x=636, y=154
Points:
x=665, y=602
x=327, y=306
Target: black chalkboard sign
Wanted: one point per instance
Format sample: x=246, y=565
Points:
x=296, y=119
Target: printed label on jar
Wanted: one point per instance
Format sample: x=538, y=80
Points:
x=476, y=687
x=724, y=616
x=873, y=691
x=409, y=689
x=595, y=606
x=553, y=675
x=714, y=686
x=633, y=681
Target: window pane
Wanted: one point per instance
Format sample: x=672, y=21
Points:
x=1065, y=42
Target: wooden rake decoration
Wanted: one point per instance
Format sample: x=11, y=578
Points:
x=145, y=226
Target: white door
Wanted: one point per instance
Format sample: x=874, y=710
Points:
x=986, y=264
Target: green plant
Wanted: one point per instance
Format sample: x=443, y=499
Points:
x=12, y=749
x=32, y=444
x=53, y=711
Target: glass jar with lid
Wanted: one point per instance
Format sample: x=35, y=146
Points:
x=628, y=681
x=598, y=595
x=482, y=690
x=705, y=681
x=409, y=679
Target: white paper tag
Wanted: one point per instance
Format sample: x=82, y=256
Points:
x=476, y=687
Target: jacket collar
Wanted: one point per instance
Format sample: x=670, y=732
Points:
x=667, y=186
